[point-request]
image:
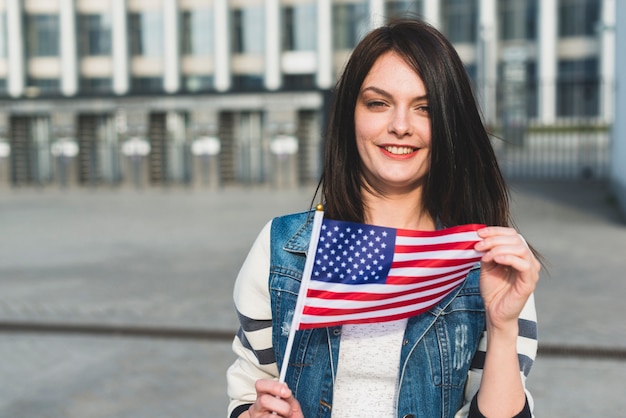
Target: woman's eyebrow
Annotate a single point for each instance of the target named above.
(388, 95)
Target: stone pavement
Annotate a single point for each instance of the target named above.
(167, 258)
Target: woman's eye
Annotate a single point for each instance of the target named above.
(423, 108)
(375, 104)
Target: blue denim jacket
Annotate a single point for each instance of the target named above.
(437, 349)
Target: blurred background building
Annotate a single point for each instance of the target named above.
(212, 92)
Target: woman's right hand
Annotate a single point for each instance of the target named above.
(274, 399)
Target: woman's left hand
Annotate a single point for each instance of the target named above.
(509, 274)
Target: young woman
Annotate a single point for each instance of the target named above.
(406, 148)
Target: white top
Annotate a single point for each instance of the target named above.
(367, 371)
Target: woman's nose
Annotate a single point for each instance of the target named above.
(400, 124)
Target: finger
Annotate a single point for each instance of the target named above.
(525, 268)
(514, 242)
(271, 398)
(518, 264)
(272, 405)
(272, 387)
(491, 231)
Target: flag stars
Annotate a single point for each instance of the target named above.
(352, 253)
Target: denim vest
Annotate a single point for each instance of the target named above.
(437, 349)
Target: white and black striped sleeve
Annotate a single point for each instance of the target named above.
(526, 353)
(253, 343)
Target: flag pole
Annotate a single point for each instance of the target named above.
(304, 284)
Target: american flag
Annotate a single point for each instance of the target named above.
(364, 273)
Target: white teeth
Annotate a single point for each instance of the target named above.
(399, 150)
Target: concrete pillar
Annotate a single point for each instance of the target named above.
(64, 148)
(273, 79)
(431, 9)
(282, 123)
(5, 151)
(69, 54)
(324, 76)
(222, 45)
(132, 130)
(15, 48)
(607, 60)
(121, 59)
(377, 13)
(171, 46)
(205, 148)
(547, 46)
(618, 154)
(487, 64)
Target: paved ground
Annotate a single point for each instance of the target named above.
(167, 258)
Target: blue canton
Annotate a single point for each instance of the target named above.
(353, 253)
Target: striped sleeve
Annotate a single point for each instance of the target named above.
(526, 353)
(253, 343)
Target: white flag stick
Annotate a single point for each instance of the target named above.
(304, 285)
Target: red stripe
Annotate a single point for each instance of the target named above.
(461, 245)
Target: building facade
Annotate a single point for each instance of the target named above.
(236, 91)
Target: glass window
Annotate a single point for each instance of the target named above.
(578, 17)
(578, 88)
(300, 27)
(42, 35)
(96, 85)
(532, 95)
(44, 86)
(403, 8)
(197, 32)
(146, 34)
(299, 82)
(248, 31)
(350, 23)
(193, 83)
(95, 34)
(248, 82)
(460, 17)
(517, 19)
(147, 84)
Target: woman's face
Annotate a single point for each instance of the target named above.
(392, 126)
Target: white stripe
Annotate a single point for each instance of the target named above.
(314, 302)
(380, 288)
(437, 255)
(259, 339)
(528, 312)
(426, 271)
(527, 346)
(450, 238)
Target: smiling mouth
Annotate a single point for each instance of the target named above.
(395, 150)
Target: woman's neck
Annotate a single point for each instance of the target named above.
(404, 211)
